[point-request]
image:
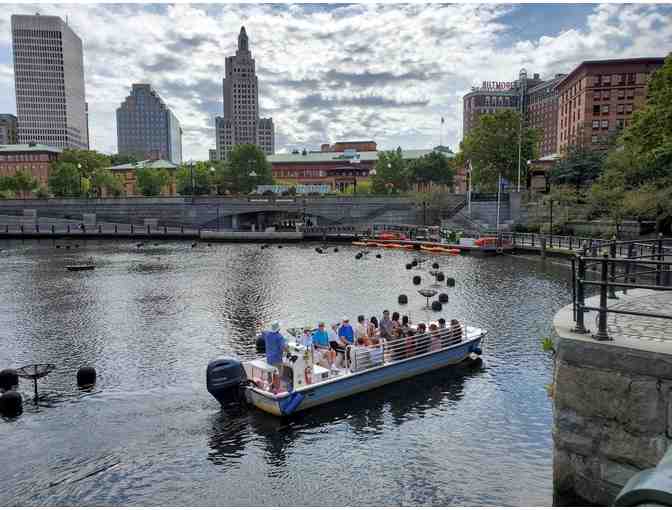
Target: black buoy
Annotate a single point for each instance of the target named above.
(435, 265)
(279, 246)
(139, 245)
(86, 376)
(409, 266)
(318, 250)
(358, 256)
(67, 247)
(414, 263)
(58, 246)
(436, 306)
(193, 245)
(443, 297)
(379, 256)
(76, 246)
(335, 250)
(416, 280)
(440, 276)
(209, 244)
(11, 403)
(450, 282)
(261, 344)
(8, 379)
(403, 299)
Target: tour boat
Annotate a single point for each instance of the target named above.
(309, 380)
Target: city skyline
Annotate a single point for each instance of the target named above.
(333, 72)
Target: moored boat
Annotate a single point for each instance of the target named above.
(310, 382)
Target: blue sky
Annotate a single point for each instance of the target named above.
(331, 72)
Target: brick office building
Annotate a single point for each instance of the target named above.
(596, 100)
(542, 114)
(33, 158)
(360, 146)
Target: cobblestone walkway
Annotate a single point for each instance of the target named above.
(644, 328)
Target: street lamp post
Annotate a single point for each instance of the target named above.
(79, 174)
(191, 169)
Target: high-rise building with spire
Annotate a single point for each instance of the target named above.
(241, 123)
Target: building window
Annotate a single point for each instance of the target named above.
(621, 93)
(605, 124)
(596, 109)
(628, 108)
(620, 123)
(605, 108)
(606, 79)
(620, 108)
(605, 94)
(596, 124)
(593, 139)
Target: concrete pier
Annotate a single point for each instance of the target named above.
(613, 399)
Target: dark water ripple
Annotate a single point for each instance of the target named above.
(150, 318)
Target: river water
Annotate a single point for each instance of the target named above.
(150, 318)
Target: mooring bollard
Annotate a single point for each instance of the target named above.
(181, 229)
(68, 228)
(37, 228)
(165, 230)
(149, 228)
(100, 229)
(8, 379)
(22, 229)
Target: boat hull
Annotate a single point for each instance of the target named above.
(359, 382)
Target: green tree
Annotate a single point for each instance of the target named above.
(637, 181)
(578, 167)
(245, 160)
(65, 179)
(103, 180)
(492, 148)
(202, 178)
(90, 161)
(151, 180)
(122, 159)
(7, 183)
(24, 182)
(391, 173)
(434, 167)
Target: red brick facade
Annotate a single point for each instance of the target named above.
(597, 99)
(35, 162)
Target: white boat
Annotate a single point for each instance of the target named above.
(309, 382)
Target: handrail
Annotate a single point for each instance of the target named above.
(607, 282)
(403, 348)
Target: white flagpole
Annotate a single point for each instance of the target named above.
(469, 177)
(499, 190)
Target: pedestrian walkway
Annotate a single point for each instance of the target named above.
(642, 328)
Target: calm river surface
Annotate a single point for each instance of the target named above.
(149, 319)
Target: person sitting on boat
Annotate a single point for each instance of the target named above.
(422, 343)
(307, 338)
(435, 343)
(386, 325)
(360, 331)
(442, 323)
(396, 324)
(372, 328)
(336, 344)
(321, 343)
(275, 346)
(345, 332)
(456, 331)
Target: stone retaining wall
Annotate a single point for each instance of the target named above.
(612, 408)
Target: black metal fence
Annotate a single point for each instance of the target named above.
(643, 266)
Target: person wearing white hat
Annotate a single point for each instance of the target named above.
(275, 346)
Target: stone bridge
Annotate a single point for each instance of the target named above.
(223, 212)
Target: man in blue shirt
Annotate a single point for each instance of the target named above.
(321, 342)
(345, 332)
(275, 346)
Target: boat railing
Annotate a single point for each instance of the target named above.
(399, 349)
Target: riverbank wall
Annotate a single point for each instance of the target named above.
(612, 400)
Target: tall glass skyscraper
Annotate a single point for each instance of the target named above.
(241, 123)
(49, 79)
(147, 127)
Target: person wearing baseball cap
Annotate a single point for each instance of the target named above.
(345, 332)
(275, 346)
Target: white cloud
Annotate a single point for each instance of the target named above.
(386, 72)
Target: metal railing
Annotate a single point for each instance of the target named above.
(644, 260)
(81, 229)
(399, 349)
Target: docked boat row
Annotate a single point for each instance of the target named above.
(309, 380)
